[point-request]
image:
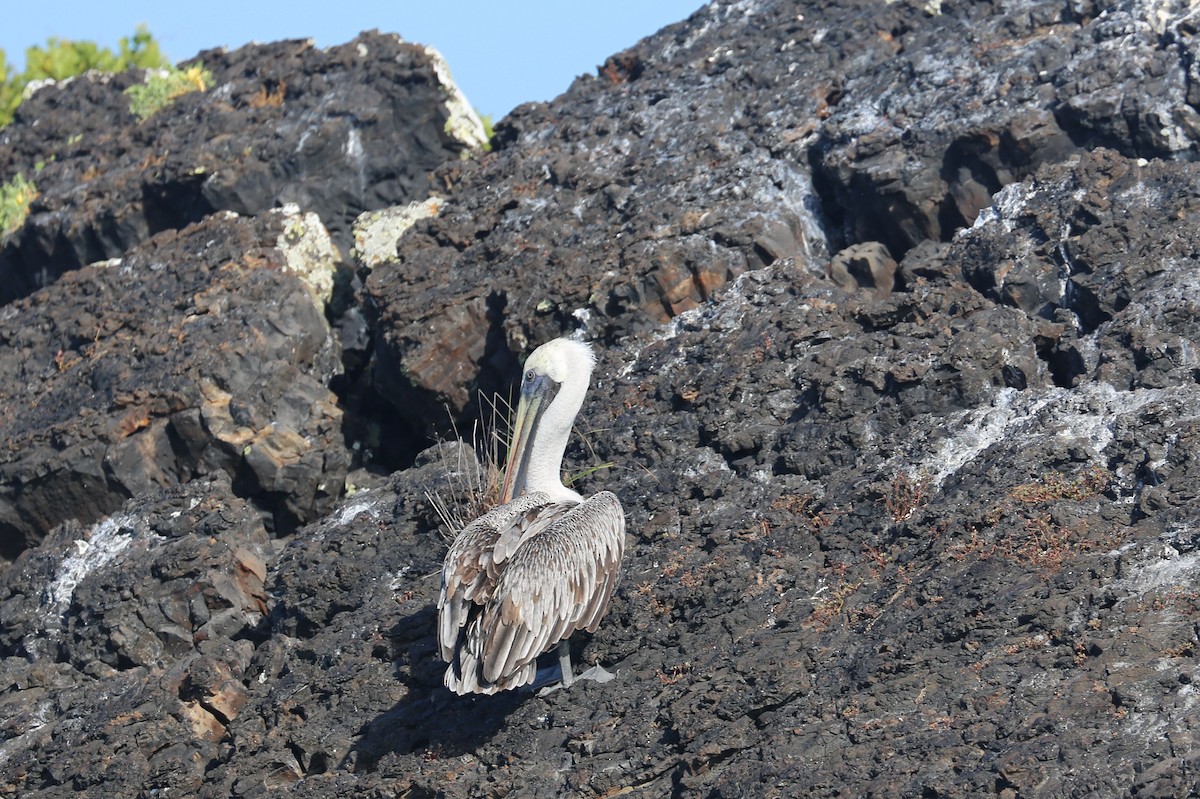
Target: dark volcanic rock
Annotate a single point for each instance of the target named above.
(338, 131)
(898, 386)
(656, 184)
(126, 646)
(739, 139)
(867, 266)
(200, 352)
(1085, 242)
(951, 108)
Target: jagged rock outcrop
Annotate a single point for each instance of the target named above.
(126, 645)
(338, 131)
(201, 351)
(897, 132)
(898, 385)
(1092, 253)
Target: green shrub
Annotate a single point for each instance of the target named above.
(15, 197)
(165, 85)
(63, 58)
(11, 87)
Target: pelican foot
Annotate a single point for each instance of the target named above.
(547, 684)
(597, 673)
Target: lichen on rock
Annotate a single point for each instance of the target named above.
(308, 251)
(376, 233)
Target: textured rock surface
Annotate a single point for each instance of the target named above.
(1119, 269)
(338, 131)
(786, 132)
(200, 351)
(126, 645)
(910, 468)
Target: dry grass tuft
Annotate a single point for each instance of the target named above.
(474, 471)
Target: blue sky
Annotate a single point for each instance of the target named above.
(501, 54)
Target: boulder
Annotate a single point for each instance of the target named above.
(338, 131)
(128, 643)
(201, 351)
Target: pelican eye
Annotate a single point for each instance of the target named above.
(529, 375)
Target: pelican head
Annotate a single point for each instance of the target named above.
(552, 389)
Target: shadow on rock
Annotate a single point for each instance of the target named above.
(430, 718)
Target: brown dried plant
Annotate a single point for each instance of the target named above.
(473, 484)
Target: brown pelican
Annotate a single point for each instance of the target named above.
(527, 574)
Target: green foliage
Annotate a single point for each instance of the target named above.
(63, 58)
(164, 86)
(11, 87)
(488, 131)
(15, 197)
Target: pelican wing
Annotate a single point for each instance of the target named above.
(475, 560)
(467, 580)
(559, 581)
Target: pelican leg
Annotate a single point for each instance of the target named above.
(564, 663)
(545, 685)
(549, 679)
(567, 674)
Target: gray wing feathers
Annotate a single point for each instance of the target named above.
(524, 525)
(521, 578)
(559, 582)
(464, 582)
(469, 571)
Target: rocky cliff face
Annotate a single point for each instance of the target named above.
(898, 324)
